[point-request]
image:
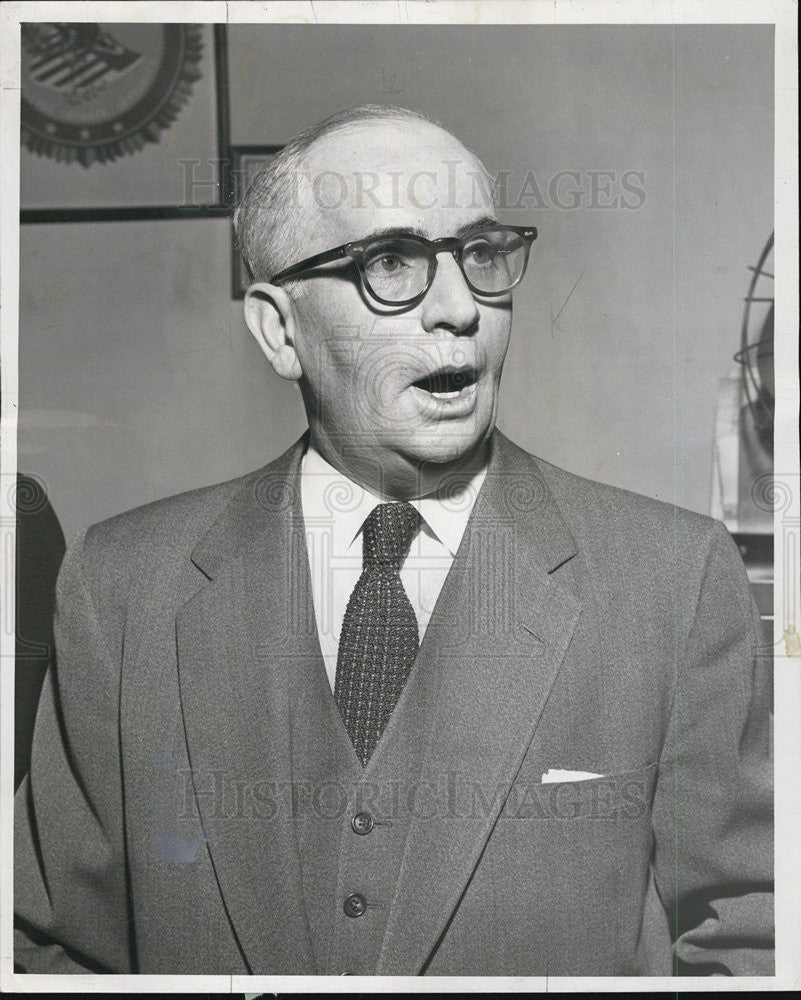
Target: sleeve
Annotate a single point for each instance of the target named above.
(69, 860)
(713, 807)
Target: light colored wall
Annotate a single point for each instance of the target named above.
(139, 379)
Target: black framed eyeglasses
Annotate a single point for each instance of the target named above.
(399, 270)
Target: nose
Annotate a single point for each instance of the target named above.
(449, 303)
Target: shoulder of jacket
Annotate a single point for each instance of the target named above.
(597, 506)
(165, 520)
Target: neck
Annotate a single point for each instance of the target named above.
(403, 478)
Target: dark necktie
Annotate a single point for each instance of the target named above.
(378, 642)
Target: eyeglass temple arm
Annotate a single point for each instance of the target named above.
(306, 265)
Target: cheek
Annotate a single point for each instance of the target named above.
(376, 384)
(325, 342)
(497, 326)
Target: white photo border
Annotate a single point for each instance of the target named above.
(782, 14)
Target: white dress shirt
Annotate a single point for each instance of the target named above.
(334, 510)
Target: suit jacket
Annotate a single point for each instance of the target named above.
(581, 628)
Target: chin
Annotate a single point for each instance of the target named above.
(443, 447)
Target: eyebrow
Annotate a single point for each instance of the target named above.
(466, 230)
(474, 227)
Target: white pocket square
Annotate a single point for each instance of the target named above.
(554, 774)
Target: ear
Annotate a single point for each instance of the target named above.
(271, 318)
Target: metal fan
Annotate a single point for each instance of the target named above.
(743, 454)
(756, 349)
(749, 506)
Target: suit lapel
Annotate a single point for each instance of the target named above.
(490, 655)
(239, 639)
(498, 635)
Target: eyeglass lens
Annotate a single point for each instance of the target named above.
(398, 269)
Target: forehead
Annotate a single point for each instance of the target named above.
(385, 174)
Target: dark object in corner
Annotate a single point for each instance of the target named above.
(40, 549)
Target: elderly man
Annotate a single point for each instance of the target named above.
(407, 700)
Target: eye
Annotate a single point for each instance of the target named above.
(387, 263)
(481, 254)
(386, 259)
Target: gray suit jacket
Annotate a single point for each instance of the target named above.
(581, 628)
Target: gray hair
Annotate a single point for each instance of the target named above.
(266, 221)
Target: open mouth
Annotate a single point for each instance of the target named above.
(447, 383)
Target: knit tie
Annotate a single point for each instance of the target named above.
(378, 642)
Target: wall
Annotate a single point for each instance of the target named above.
(139, 379)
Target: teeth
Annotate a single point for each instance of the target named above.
(446, 395)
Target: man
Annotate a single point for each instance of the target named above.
(407, 700)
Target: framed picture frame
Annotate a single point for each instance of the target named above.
(119, 121)
(245, 163)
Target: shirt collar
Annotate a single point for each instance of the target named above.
(325, 492)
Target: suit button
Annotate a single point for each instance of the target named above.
(362, 823)
(355, 905)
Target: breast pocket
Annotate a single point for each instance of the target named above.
(622, 797)
(575, 857)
